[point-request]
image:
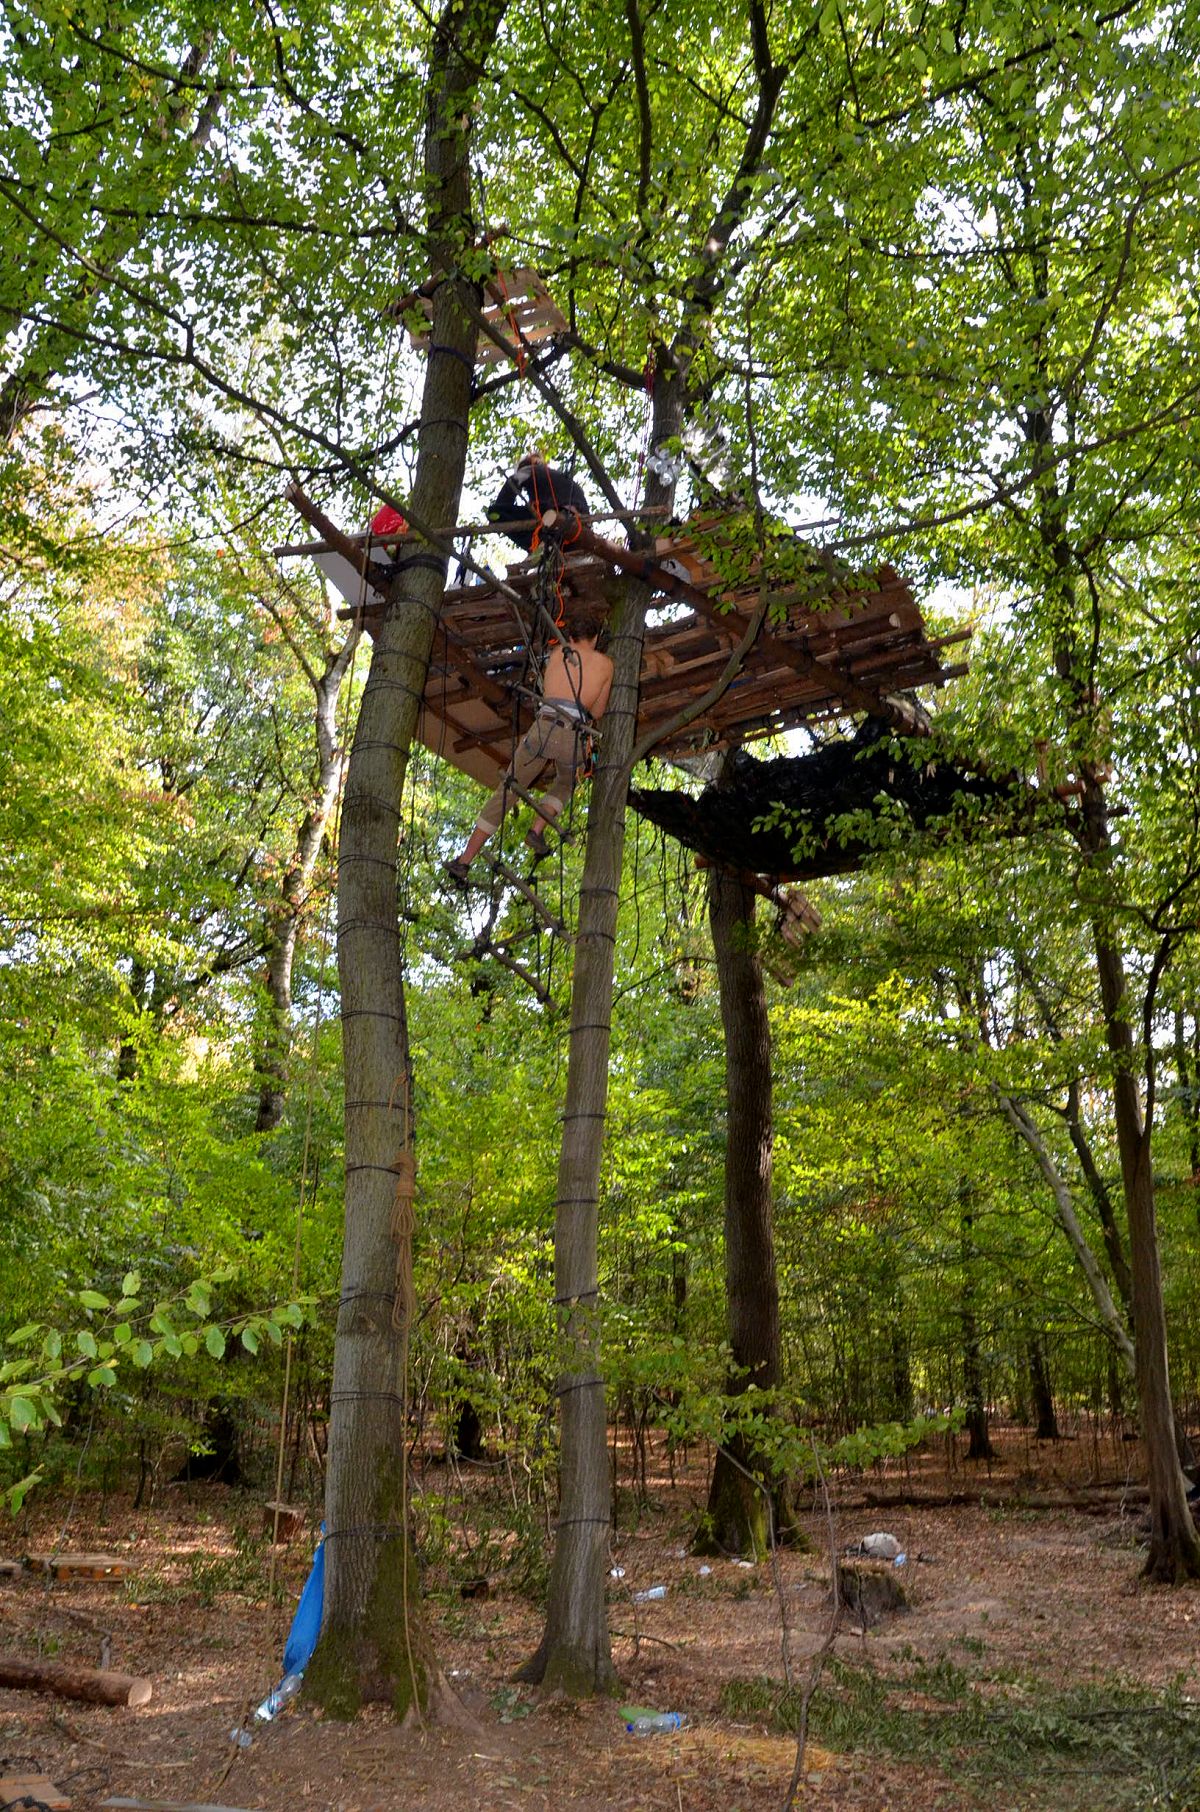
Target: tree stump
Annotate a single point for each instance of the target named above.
(871, 1590)
(282, 1522)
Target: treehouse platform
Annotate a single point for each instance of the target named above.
(826, 648)
(830, 644)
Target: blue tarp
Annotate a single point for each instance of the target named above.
(306, 1624)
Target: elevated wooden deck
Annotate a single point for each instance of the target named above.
(831, 645)
(851, 649)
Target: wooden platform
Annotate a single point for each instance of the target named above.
(851, 650)
(832, 645)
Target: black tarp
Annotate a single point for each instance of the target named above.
(899, 783)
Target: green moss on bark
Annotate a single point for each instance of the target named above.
(386, 1654)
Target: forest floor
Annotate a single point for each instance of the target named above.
(1031, 1670)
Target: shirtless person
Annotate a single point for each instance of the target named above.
(575, 688)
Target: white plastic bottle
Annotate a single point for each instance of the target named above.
(278, 1697)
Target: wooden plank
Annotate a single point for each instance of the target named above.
(79, 1566)
(33, 1786)
(120, 1803)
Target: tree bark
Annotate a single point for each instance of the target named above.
(373, 1642)
(979, 1445)
(1174, 1546)
(747, 1504)
(95, 1686)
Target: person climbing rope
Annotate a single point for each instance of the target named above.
(575, 688)
(532, 488)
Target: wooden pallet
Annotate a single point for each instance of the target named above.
(79, 1566)
(518, 307)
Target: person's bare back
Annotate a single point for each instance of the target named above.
(577, 673)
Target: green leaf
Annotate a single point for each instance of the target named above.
(214, 1340)
(141, 1353)
(92, 1299)
(123, 1333)
(102, 1376)
(24, 1335)
(19, 1492)
(131, 1283)
(250, 1340)
(86, 1343)
(22, 1414)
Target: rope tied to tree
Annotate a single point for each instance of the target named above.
(404, 1224)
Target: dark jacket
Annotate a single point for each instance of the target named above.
(522, 501)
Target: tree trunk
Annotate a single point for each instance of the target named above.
(979, 1444)
(1040, 1389)
(747, 1504)
(287, 915)
(1023, 1123)
(574, 1654)
(373, 1642)
(1174, 1547)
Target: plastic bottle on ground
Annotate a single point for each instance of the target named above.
(651, 1723)
(650, 1594)
(278, 1697)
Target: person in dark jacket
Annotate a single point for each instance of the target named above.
(528, 492)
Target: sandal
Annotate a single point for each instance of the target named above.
(458, 870)
(537, 843)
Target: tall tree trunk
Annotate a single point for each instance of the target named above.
(373, 1642)
(1041, 1391)
(1174, 1546)
(747, 1504)
(1023, 1123)
(574, 1654)
(979, 1446)
(287, 915)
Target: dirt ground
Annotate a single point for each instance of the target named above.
(1031, 1669)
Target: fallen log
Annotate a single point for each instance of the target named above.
(96, 1686)
(1093, 1501)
